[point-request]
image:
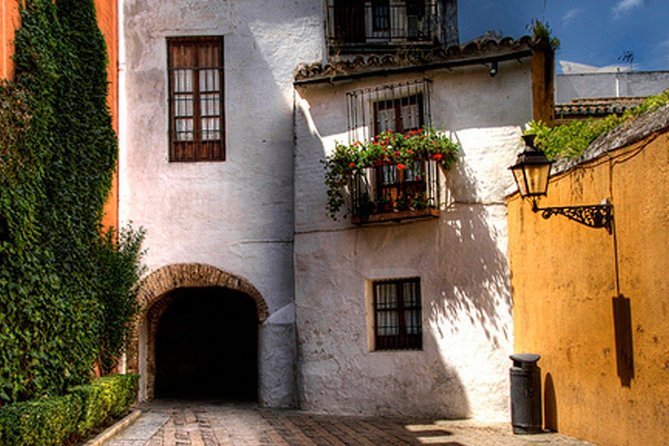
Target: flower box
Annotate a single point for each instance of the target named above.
(392, 177)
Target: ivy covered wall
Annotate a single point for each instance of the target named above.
(65, 286)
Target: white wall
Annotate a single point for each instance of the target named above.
(461, 259)
(261, 213)
(236, 215)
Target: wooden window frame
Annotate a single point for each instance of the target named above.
(397, 104)
(198, 148)
(403, 340)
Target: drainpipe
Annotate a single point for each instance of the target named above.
(122, 132)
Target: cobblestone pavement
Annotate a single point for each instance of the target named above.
(207, 424)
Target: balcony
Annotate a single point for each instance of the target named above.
(390, 170)
(395, 192)
(379, 25)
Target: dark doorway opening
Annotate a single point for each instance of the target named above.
(207, 346)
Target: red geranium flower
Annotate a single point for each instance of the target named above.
(351, 164)
(401, 166)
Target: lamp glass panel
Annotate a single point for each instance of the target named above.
(537, 178)
(519, 176)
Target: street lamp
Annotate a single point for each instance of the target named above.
(532, 171)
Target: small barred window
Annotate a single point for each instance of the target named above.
(397, 315)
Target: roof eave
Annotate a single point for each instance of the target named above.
(416, 68)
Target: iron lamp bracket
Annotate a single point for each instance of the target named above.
(594, 216)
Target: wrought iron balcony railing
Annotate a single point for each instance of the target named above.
(377, 24)
(395, 192)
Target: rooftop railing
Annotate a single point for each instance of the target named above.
(375, 23)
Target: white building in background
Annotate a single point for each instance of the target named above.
(579, 81)
(584, 91)
(253, 292)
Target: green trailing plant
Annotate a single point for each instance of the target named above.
(386, 148)
(570, 140)
(62, 281)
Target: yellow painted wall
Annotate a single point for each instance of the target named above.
(564, 279)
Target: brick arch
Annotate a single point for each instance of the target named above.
(153, 298)
(193, 275)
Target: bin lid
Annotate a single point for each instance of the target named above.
(525, 358)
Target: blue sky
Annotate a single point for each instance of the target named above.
(593, 32)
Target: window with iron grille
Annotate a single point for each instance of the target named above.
(196, 101)
(397, 315)
(387, 189)
(399, 115)
(399, 107)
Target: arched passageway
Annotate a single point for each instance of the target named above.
(206, 345)
(155, 296)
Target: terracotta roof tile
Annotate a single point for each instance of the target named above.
(596, 107)
(471, 53)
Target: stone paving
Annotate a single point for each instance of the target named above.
(167, 423)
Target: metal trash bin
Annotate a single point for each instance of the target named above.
(526, 416)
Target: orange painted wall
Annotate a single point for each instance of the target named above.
(108, 22)
(107, 13)
(8, 23)
(565, 277)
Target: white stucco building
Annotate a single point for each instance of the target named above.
(253, 292)
(579, 81)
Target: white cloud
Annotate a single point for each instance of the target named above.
(571, 14)
(625, 5)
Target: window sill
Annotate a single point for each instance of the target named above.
(389, 217)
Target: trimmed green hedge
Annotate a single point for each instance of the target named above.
(58, 420)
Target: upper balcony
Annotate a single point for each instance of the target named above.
(384, 25)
